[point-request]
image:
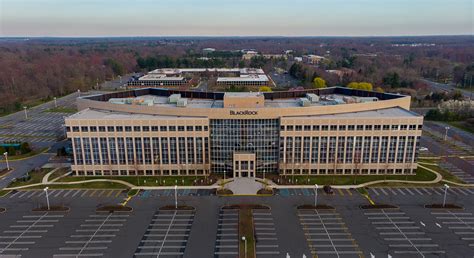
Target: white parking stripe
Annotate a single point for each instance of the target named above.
(77, 191)
(400, 190)
(408, 190)
(375, 191)
(58, 193)
(418, 191)
(23, 193)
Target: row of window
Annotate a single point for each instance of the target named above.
(173, 172)
(138, 150)
(352, 149)
(349, 171)
(162, 128)
(348, 127)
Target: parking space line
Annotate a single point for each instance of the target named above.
(349, 192)
(93, 193)
(77, 191)
(23, 194)
(418, 191)
(383, 191)
(84, 193)
(408, 190)
(21, 235)
(58, 193)
(340, 192)
(375, 191)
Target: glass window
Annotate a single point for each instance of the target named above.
(110, 128)
(136, 129)
(84, 129)
(119, 128)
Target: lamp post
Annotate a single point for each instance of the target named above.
(47, 197)
(26, 114)
(224, 176)
(55, 103)
(245, 245)
(446, 132)
(315, 195)
(446, 187)
(264, 175)
(6, 160)
(176, 196)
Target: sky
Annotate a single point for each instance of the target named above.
(98, 18)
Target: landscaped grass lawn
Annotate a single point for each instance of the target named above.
(26, 155)
(246, 229)
(421, 175)
(141, 180)
(68, 110)
(91, 185)
(36, 177)
(461, 125)
(446, 175)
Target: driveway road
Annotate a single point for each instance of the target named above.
(448, 88)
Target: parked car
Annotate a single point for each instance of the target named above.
(328, 189)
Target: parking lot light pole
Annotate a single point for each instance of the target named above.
(26, 113)
(446, 133)
(245, 245)
(176, 196)
(315, 195)
(264, 175)
(224, 176)
(55, 103)
(6, 160)
(446, 187)
(47, 197)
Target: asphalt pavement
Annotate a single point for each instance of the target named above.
(348, 231)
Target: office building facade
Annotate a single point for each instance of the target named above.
(313, 132)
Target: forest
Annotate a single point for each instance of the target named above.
(37, 69)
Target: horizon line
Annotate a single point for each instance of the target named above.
(245, 36)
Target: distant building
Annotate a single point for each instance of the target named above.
(298, 59)
(208, 50)
(274, 56)
(342, 72)
(179, 77)
(249, 54)
(312, 59)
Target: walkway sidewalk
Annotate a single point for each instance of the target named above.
(240, 185)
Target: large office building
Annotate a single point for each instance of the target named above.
(224, 76)
(311, 132)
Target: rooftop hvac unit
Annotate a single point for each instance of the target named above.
(182, 102)
(173, 98)
(312, 97)
(304, 102)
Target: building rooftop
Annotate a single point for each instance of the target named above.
(277, 99)
(115, 115)
(376, 113)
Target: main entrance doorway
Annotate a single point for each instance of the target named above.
(244, 164)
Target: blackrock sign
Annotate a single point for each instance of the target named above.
(244, 113)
